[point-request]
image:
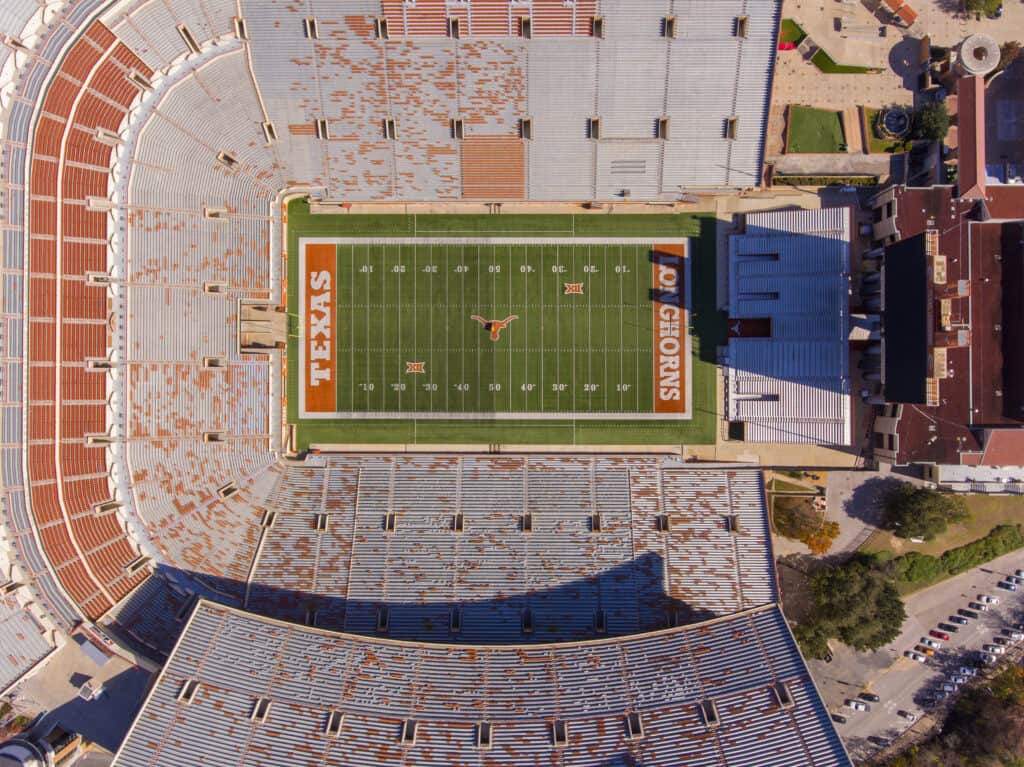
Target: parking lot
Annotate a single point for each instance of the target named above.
(902, 684)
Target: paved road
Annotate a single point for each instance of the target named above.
(902, 683)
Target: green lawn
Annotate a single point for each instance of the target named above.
(707, 330)
(828, 65)
(876, 143)
(791, 32)
(987, 511)
(813, 130)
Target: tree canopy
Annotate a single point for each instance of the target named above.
(854, 603)
(931, 121)
(984, 729)
(917, 512)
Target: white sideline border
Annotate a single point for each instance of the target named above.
(624, 417)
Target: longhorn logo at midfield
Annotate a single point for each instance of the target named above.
(494, 326)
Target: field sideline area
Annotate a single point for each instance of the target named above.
(501, 329)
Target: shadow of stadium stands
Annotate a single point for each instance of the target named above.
(104, 720)
(623, 600)
(789, 375)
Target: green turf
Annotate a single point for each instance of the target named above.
(813, 130)
(828, 65)
(589, 353)
(791, 32)
(708, 330)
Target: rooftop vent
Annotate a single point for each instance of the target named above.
(98, 440)
(526, 128)
(664, 523)
(383, 620)
(210, 363)
(190, 41)
(99, 364)
(186, 607)
(782, 696)
(260, 710)
(227, 490)
(527, 621)
(227, 159)
(458, 522)
(669, 27)
(559, 733)
(136, 564)
(268, 519)
(15, 43)
(458, 127)
(601, 621)
(594, 128)
(484, 736)
(526, 522)
(108, 137)
(710, 713)
(188, 691)
(731, 126)
(634, 726)
(215, 286)
(241, 32)
(390, 522)
(312, 614)
(310, 29)
(663, 123)
(390, 129)
(140, 80)
(214, 436)
(323, 130)
(215, 214)
(595, 522)
(732, 523)
(409, 732)
(526, 27)
(320, 522)
(741, 26)
(269, 132)
(98, 278)
(106, 507)
(597, 26)
(98, 204)
(455, 620)
(380, 28)
(332, 727)
(454, 28)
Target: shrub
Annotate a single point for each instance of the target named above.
(915, 567)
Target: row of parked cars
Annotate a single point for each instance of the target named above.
(927, 647)
(990, 651)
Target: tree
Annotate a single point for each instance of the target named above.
(1009, 52)
(989, 7)
(853, 602)
(931, 122)
(917, 512)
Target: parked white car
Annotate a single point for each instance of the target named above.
(931, 643)
(958, 680)
(856, 705)
(909, 716)
(988, 658)
(1015, 635)
(995, 649)
(968, 671)
(914, 656)
(988, 599)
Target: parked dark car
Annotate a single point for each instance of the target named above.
(869, 696)
(958, 620)
(950, 627)
(839, 718)
(968, 613)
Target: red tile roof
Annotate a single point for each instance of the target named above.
(971, 122)
(1003, 447)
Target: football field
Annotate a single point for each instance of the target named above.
(494, 328)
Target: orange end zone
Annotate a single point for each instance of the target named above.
(669, 328)
(319, 275)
